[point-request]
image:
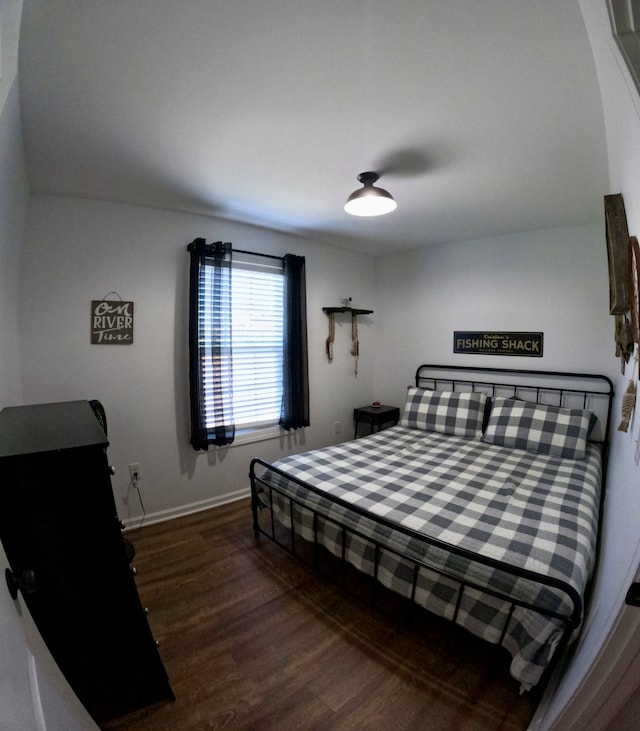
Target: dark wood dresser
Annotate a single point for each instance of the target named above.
(62, 536)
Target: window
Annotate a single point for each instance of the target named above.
(247, 344)
(256, 342)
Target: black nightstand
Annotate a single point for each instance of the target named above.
(376, 416)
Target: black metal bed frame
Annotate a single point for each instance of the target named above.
(454, 378)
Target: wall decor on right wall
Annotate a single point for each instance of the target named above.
(628, 405)
(617, 234)
(624, 340)
(634, 287)
(619, 248)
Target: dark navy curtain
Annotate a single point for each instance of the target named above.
(210, 364)
(295, 371)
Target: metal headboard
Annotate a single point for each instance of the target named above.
(570, 390)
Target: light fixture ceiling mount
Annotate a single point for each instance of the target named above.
(369, 200)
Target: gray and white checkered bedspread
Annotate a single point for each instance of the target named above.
(532, 511)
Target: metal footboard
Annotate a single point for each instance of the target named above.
(262, 500)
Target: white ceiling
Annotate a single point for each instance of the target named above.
(483, 117)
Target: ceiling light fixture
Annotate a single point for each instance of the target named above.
(369, 200)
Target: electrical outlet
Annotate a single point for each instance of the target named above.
(337, 427)
(134, 472)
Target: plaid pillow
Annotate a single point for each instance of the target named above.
(539, 428)
(447, 412)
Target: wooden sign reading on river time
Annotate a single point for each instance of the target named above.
(111, 322)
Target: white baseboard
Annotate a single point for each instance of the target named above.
(160, 516)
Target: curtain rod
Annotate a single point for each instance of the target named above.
(243, 251)
(256, 253)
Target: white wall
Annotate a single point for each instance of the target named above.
(554, 281)
(76, 251)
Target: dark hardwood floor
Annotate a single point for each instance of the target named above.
(253, 639)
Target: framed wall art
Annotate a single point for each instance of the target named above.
(634, 286)
(111, 322)
(617, 234)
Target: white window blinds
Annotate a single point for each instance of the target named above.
(257, 341)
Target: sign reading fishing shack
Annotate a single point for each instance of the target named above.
(111, 322)
(498, 343)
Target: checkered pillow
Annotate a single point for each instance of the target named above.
(539, 428)
(447, 412)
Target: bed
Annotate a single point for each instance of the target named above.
(482, 505)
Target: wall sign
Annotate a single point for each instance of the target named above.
(617, 235)
(491, 342)
(111, 322)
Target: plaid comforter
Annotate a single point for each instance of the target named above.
(527, 510)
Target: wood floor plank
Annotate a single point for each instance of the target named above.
(251, 638)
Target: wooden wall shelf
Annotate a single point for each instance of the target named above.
(355, 346)
(352, 310)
